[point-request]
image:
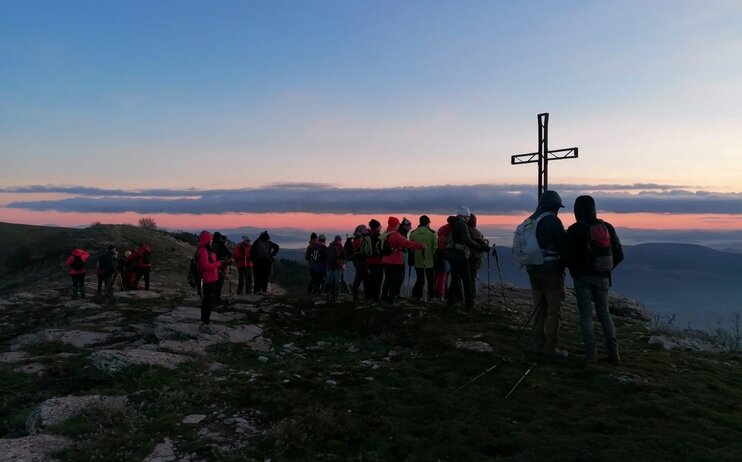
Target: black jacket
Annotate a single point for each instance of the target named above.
(578, 236)
(550, 232)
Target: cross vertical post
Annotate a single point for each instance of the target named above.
(543, 156)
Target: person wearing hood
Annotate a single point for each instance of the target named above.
(143, 258)
(263, 251)
(107, 270)
(475, 259)
(458, 255)
(208, 266)
(592, 251)
(360, 263)
(241, 254)
(547, 279)
(76, 262)
(319, 265)
(423, 259)
(372, 286)
(219, 246)
(394, 262)
(310, 263)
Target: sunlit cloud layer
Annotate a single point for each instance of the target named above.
(320, 198)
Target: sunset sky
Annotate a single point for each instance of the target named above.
(312, 113)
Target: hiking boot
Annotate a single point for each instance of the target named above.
(614, 358)
(205, 329)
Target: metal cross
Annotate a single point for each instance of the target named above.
(543, 156)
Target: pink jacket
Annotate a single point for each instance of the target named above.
(397, 242)
(207, 263)
(83, 254)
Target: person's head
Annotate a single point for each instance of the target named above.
(550, 201)
(246, 239)
(585, 209)
(322, 238)
(264, 236)
(338, 239)
(424, 220)
(111, 249)
(393, 223)
(313, 237)
(463, 212)
(374, 224)
(360, 231)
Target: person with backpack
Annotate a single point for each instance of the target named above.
(310, 263)
(219, 247)
(442, 265)
(475, 259)
(130, 270)
(372, 287)
(263, 251)
(392, 245)
(423, 260)
(107, 270)
(318, 258)
(241, 254)
(335, 259)
(208, 267)
(592, 251)
(76, 262)
(547, 276)
(359, 254)
(143, 258)
(459, 247)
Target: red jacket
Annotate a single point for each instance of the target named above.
(208, 265)
(138, 255)
(397, 243)
(241, 255)
(82, 254)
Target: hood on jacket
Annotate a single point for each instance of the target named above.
(374, 224)
(393, 223)
(585, 209)
(550, 201)
(472, 221)
(203, 239)
(80, 253)
(264, 236)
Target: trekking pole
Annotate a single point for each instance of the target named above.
(522, 378)
(488, 370)
(499, 272)
(489, 304)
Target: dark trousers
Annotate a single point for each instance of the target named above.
(460, 280)
(373, 283)
(421, 276)
(393, 277)
(208, 301)
(219, 287)
(78, 284)
(142, 272)
(310, 287)
(262, 271)
(244, 280)
(318, 282)
(361, 276)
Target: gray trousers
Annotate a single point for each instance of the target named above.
(591, 290)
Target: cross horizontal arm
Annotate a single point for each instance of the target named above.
(532, 157)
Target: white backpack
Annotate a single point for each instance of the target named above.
(525, 244)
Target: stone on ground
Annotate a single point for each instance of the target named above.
(36, 448)
(113, 361)
(56, 410)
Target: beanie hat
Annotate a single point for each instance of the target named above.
(246, 238)
(393, 222)
(217, 236)
(322, 238)
(360, 230)
(338, 238)
(463, 211)
(313, 236)
(405, 222)
(373, 224)
(424, 220)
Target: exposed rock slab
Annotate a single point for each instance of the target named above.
(36, 448)
(56, 410)
(13, 357)
(113, 361)
(78, 338)
(621, 305)
(163, 452)
(482, 347)
(681, 343)
(137, 295)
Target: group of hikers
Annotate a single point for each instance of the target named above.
(127, 269)
(446, 264)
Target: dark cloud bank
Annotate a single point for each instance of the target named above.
(316, 198)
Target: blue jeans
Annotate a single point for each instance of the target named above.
(589, 290)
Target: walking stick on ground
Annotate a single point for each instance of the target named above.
(499, 272)
(522, 378)
(489, 304)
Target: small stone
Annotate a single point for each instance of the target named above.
(263, 359)
(332, 383)
(193, 419)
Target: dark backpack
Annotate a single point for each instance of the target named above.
(382, 245)
(372, 246)
(350, 253)
(146, 257)
(599, 248)
(331, 254)
(77, 263)
(194, 275)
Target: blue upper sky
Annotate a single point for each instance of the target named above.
(148, 94)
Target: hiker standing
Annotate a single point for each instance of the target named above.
(475, 259)
(547, 279)
(359, 259)
(241, 254)
(441, 263)
(143, 258)
(335, 259)
(459, 247)
(310, 264)
(208, 266)
(593, 250)
(107, 269)
(76, 262)
(130, 270)
(318, 258)
(423, 259)
(394, 261)
(404, 230)
(372, 287)
(263, 250)
(219, 246)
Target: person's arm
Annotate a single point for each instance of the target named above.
(616, 246)
(274, 249)
(462, 232)
(203, 260)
